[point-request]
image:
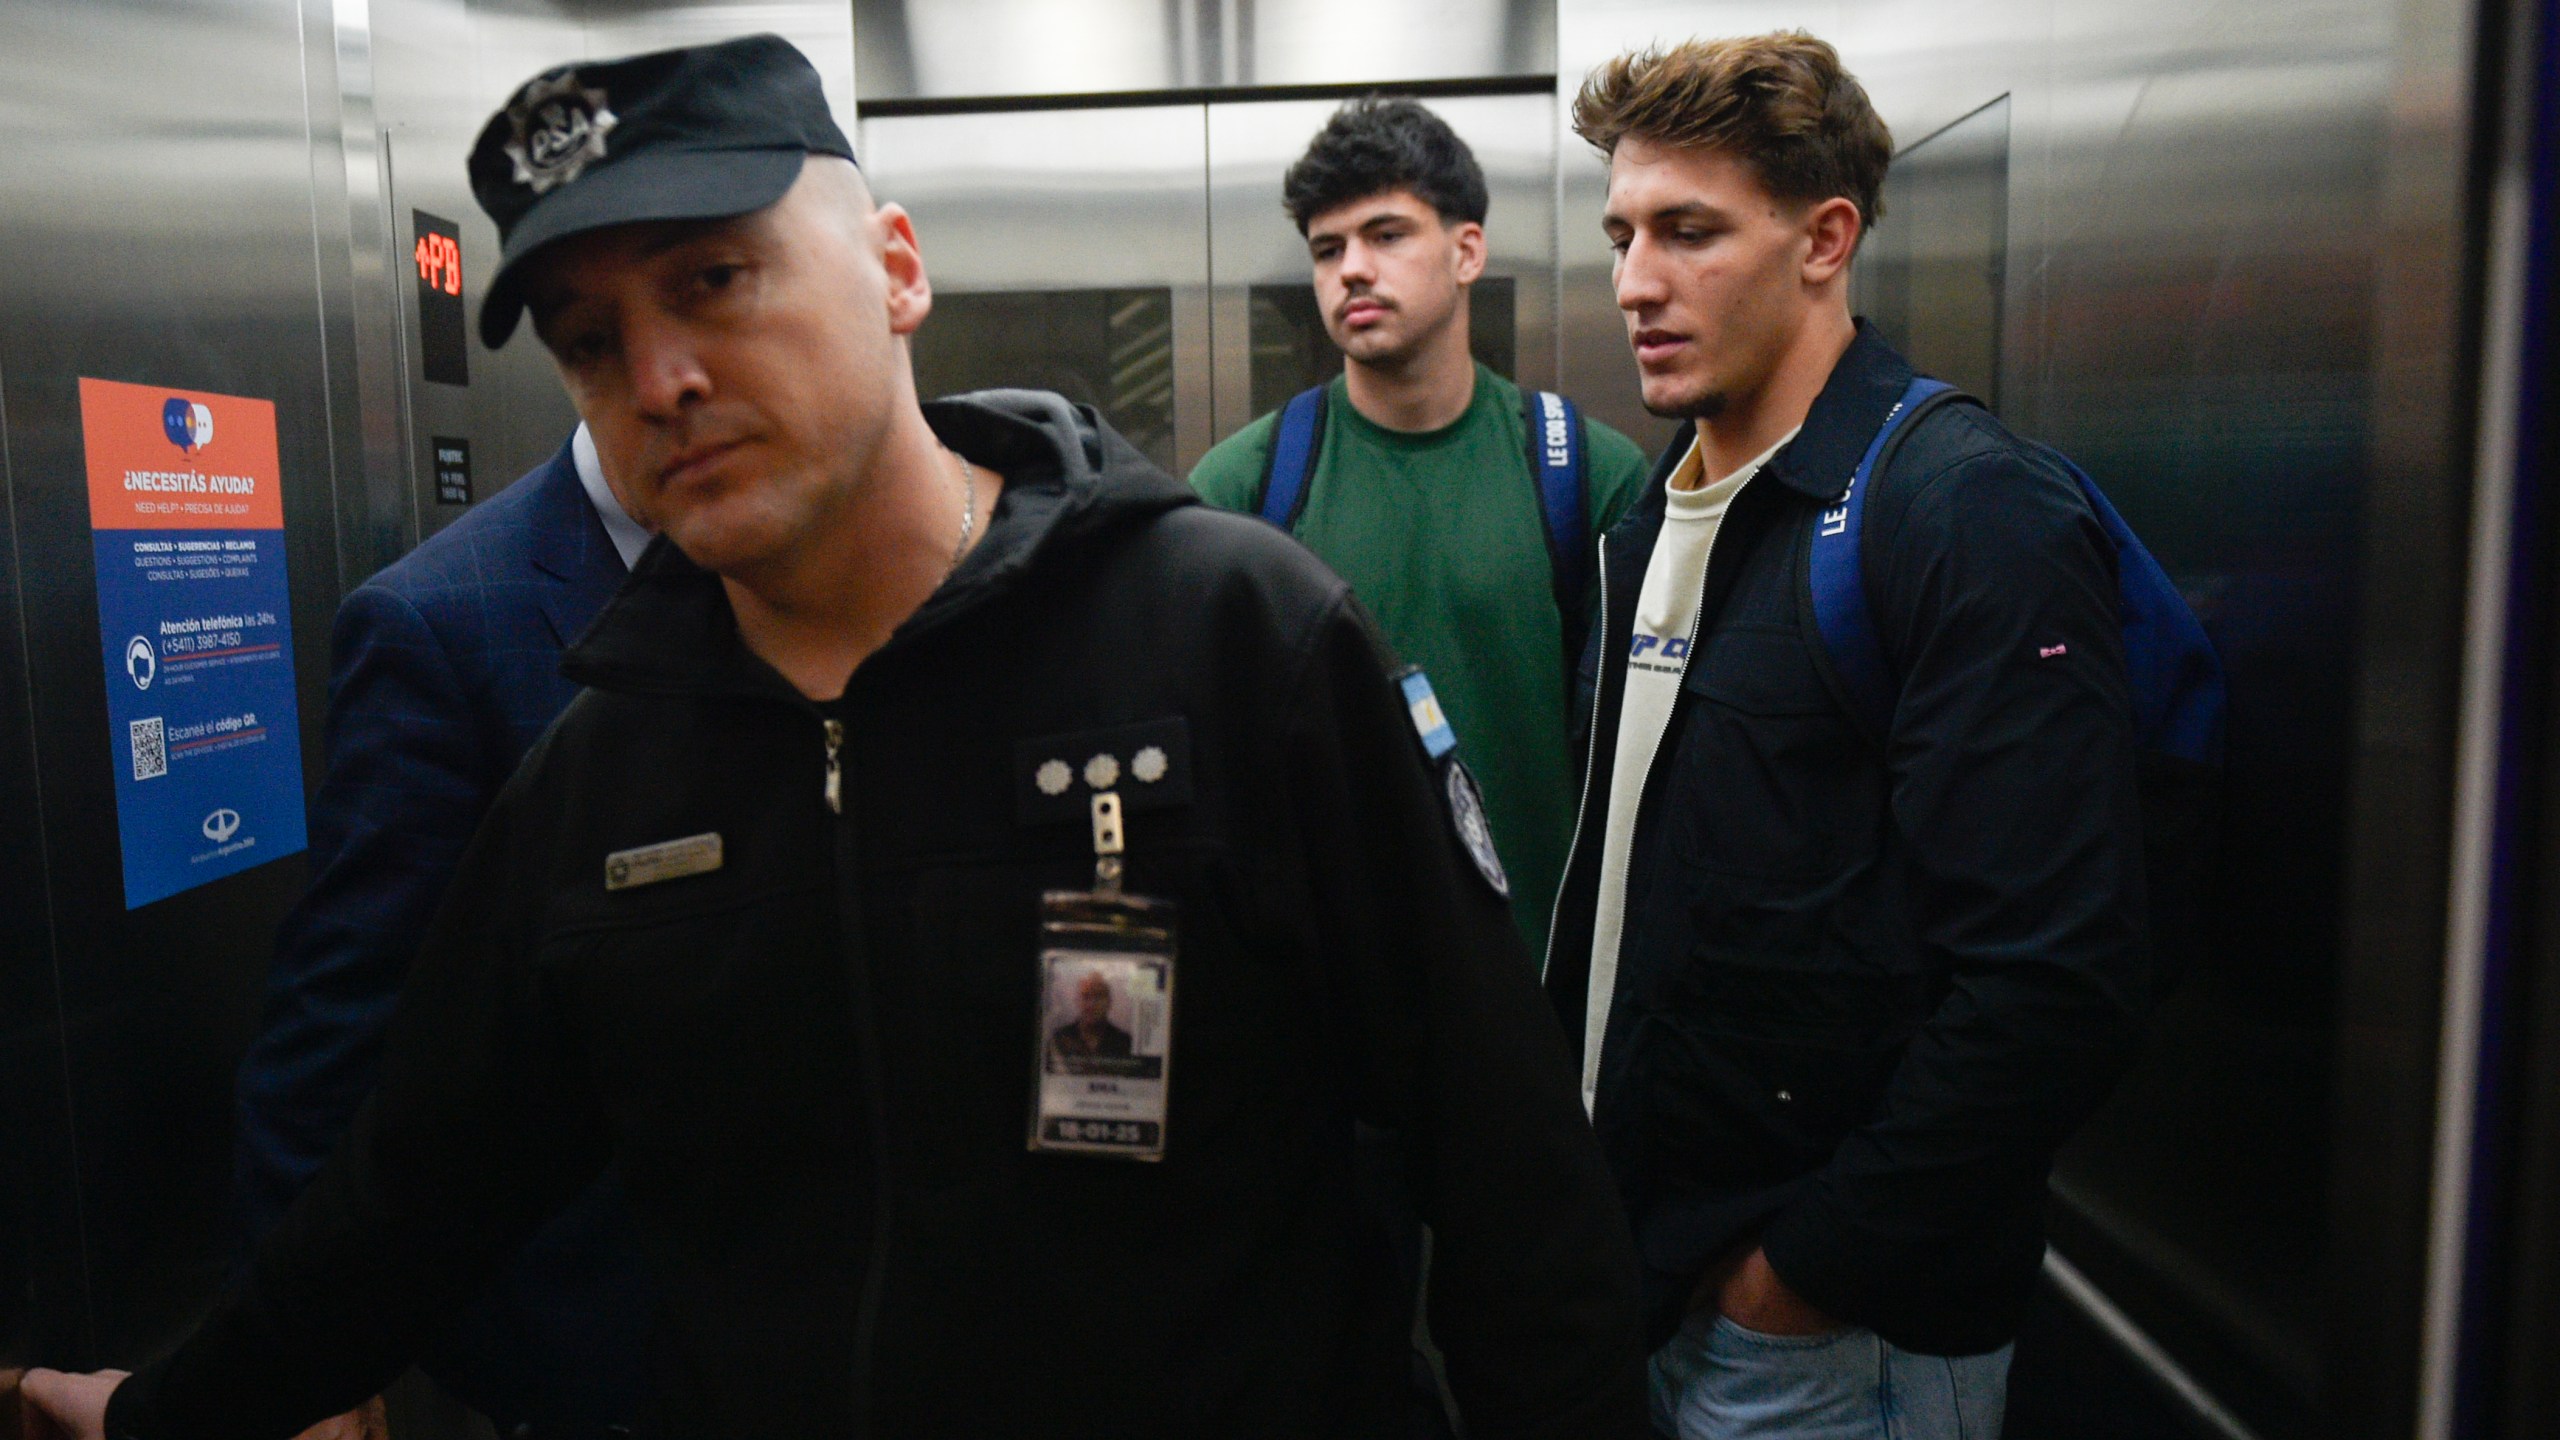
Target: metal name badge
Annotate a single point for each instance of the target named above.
(667, 860)
(1102, 1052)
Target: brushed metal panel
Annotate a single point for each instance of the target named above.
(377, 519)
(1934, 280)
(2425, 389)
(1030, 47)
(1295, 42)
(911, 50)
(44, 1307)
(822, 29)
(1029, 199)
(157, 206)
(441, 67)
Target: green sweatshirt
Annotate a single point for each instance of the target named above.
(1440, 537)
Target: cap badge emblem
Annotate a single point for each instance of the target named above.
(559, 127)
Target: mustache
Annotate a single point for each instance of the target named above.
(1362, 297)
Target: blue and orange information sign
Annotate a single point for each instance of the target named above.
(186, 508)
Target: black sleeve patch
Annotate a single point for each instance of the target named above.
(1475, 832)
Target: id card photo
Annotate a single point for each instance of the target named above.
(1105, 1038)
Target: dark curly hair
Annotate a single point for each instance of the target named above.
(1375, 144)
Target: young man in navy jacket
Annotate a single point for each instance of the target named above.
(1838, 995)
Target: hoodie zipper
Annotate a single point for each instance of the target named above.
(874, 1076)
(835, 769)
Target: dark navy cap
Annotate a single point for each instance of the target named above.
(694, 134)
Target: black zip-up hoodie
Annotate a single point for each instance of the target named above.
(813, 1064)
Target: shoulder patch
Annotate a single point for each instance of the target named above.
(1475, 832)
(1055, 777)
(1430, 722)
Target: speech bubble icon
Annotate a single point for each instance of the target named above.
(188, 425)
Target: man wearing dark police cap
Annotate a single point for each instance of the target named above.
(914, 716)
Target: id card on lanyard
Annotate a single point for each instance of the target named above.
(1103, 1050)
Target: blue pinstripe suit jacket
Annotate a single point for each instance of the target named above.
(445, 669)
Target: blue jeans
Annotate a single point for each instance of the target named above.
(1717, 1381)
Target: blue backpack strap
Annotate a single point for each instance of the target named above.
(1557, 462)
(1837, 576)
(1295, 442)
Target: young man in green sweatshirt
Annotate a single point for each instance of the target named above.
(1417, 481)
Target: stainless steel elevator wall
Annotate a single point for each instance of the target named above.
(156, 209)
(930, 49)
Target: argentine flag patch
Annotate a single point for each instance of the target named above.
(1429, 721)
(1457, 787)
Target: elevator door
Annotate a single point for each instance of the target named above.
(1137, 259)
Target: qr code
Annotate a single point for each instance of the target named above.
(150, 749)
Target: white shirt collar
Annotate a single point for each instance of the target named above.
(629, 536)
(1684, 483)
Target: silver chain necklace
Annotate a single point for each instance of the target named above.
(968, 510)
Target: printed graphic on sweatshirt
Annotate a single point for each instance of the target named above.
(1661, 654)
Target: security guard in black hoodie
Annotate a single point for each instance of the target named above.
(916, 716)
